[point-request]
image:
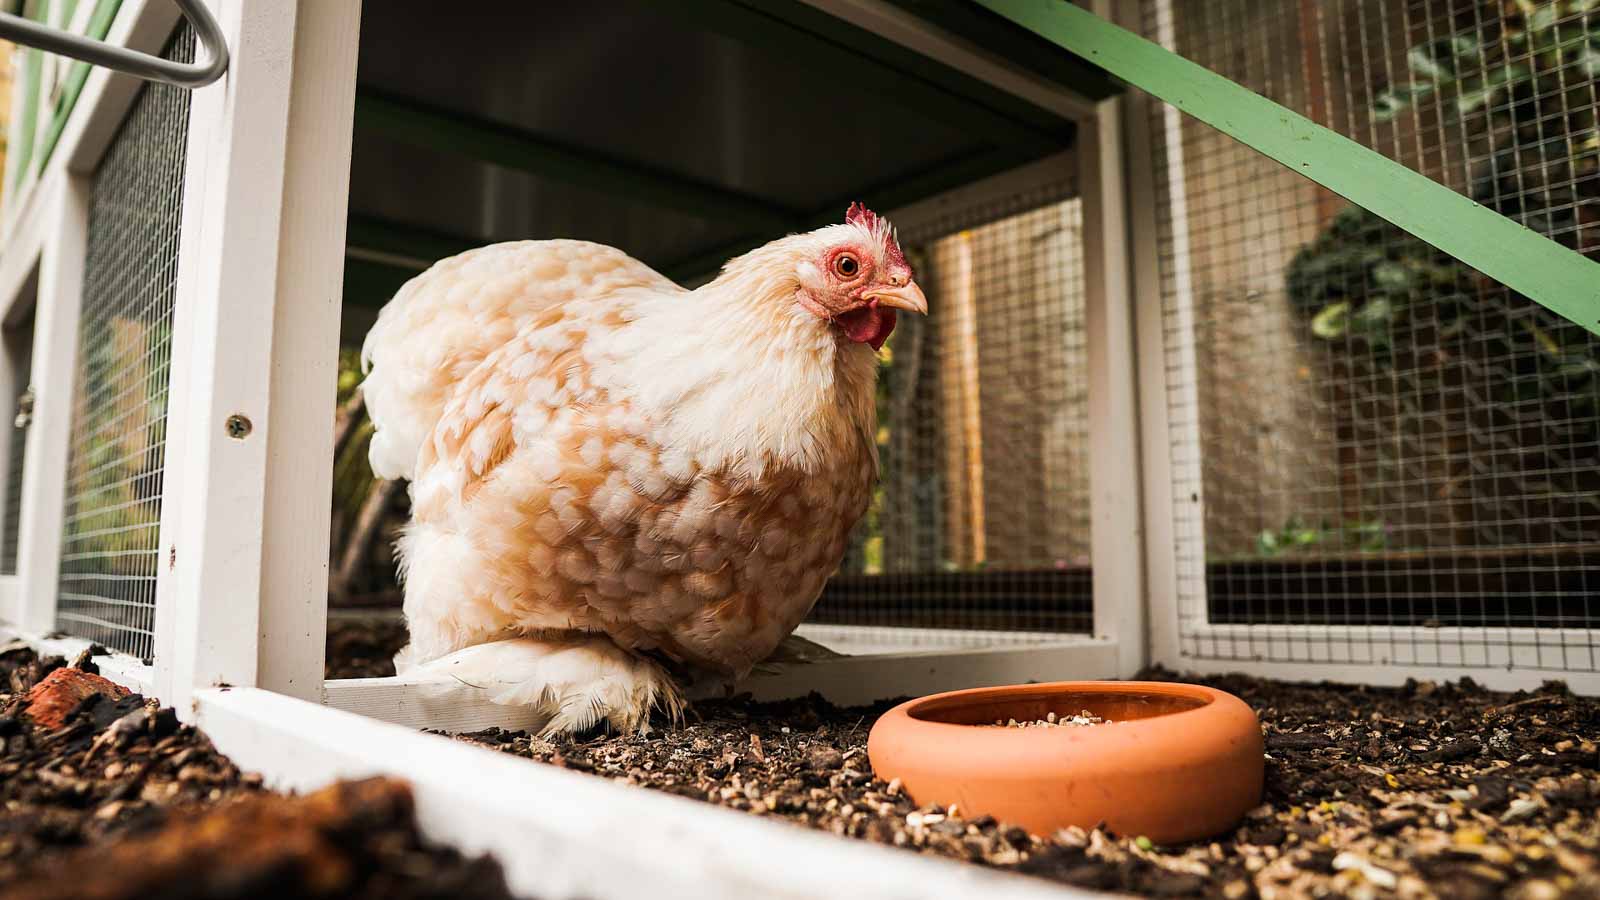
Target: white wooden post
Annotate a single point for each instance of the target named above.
(55, 353)
(208, 608)
(1174, 526)
(1116, 538)
(305, 348)
(242, 599)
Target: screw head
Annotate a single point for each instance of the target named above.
(238, 427)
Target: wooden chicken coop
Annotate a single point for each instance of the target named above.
(1263, 339)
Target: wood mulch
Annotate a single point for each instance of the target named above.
(104, 794)
(1431, 790)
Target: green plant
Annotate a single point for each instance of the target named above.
(1520, 89)
(1298, 537)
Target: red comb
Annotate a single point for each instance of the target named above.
(859, 215)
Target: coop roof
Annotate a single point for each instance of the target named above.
(681, 132)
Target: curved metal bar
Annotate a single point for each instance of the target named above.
(141, 65)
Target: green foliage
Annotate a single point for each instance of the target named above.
(1298, 537)
(115, 468)
(352, 476)
(1522, 92)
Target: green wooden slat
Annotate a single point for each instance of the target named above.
(32, 85)
(72, 85)
(1560, 279)
(453, 132)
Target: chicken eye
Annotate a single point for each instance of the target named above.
(846, 265)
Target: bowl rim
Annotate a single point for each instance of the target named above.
(1210, 698)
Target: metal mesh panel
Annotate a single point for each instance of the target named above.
(109, 546)
(1368, 435)
(19, 343)
(981, 518)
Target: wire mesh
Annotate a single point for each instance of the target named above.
(109, 548)
(1367, 434)
(981, 517)
(19, 344)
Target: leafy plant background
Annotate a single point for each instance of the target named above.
(1433, 359)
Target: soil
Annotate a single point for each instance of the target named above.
(1431, 790)
(363, 646)
(104, 794)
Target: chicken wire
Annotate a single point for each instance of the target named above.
(981, 516)
(19, 342)
(1366, 434)
(109, 549)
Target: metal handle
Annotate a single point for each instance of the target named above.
(140, 65)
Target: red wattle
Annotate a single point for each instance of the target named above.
(868, 325)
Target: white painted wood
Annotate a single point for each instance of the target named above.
(911, 31)
(1183, 391)
(19, 264)
(305, 348)
(55, 350)
(1585, 683)
(855, 680)
(864, 640)
(565, 834)
(1160, 527)
(417, 703)
(1116, 535)
(848, 681)
(1500, 658)
(10, 598)
(128, 671)
(208, 609)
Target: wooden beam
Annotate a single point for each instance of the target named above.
(460, 134)
(843, 57)
(393, 238)
(983, 29)
(901, 191)
(1561, 280)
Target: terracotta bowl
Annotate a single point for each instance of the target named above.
(1175, 762)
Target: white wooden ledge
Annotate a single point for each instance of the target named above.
(563, 834)
(847, 681)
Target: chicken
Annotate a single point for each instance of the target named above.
(617, 483)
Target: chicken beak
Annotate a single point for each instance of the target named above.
(907, 296)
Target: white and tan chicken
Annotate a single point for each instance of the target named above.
(612, 475)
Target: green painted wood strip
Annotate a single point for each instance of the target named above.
(32, 88)
(99, 26)
(1562, 280)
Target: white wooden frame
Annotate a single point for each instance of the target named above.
(243, 594)
(241, 348)
(255, 336)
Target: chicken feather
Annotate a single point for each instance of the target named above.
(608, 470)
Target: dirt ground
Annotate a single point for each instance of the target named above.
(103, 794)
(1431, 790)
